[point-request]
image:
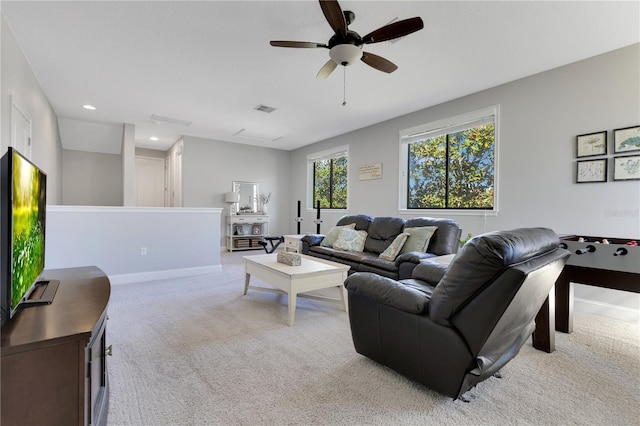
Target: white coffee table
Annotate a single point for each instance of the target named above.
(312, 274)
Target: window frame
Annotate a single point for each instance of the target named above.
(332, 153)
(439, 127)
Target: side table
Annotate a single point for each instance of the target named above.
(293, 243)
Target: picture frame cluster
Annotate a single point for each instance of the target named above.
(625, 161)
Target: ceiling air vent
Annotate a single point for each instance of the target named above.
(156, 118)
(248, 134)
(265, 108)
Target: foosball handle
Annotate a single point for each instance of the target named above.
(587, 249)
(621, 252)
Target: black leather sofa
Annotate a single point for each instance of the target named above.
(451, 327)
(381, 231)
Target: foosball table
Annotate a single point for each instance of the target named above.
(603, 262)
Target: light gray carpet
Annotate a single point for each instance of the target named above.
(195, 351)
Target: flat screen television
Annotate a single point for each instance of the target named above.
(23, 193)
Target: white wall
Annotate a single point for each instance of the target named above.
(178, 241)
(540, 117)
(17, 80)
(209, 167)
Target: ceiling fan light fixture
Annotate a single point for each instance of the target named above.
(345, 54)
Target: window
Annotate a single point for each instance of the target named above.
(328, 179)
(450, 164)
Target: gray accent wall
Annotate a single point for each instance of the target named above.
(209, 166)
(91, 178)
(540, 117)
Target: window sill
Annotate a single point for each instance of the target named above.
(448, 212)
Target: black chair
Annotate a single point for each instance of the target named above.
(450, 327)
(273, 241)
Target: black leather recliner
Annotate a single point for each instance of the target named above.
(450, 328)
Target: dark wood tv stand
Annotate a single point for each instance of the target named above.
(54, 367)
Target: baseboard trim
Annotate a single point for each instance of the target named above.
(622, 313)
(163, 275)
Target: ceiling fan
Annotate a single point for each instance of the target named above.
(345, 46)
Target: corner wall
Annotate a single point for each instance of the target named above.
(209, 166)
(18, 80)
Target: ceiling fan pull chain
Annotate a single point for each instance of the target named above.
(344, 87)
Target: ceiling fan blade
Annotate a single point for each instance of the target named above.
(378, 62)
(394, 30)
(302, 44)
(326, 69)
(333, 12)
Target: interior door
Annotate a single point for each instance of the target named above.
(20, 130)
(150, 181)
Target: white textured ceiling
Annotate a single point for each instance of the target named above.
(210, 62)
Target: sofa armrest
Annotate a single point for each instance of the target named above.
(433, 269)
(429, 272)
(388, 292)
(407, 261)
(310, 240)
(313, 239)
(413, 257)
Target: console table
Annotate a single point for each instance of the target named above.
(54, 368)
(245, 232)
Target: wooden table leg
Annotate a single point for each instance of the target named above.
(345, 297)
(292, 307)
(544, 336)
(247, 277)
(343, 292)
(564, 303)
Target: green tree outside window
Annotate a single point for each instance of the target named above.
(330, 183)
(454, 170)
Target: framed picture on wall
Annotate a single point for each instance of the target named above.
(591, 171)
(626, 168)
(626, 140)
(591, 144)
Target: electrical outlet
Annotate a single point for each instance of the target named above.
(143, 251)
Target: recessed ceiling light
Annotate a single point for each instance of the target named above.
(153, 138)
(87, 106)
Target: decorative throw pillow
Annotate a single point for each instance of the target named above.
(350, 240)
(418, 239)
(393, 250)
(332, 235)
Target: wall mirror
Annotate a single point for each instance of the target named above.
(248, 196)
